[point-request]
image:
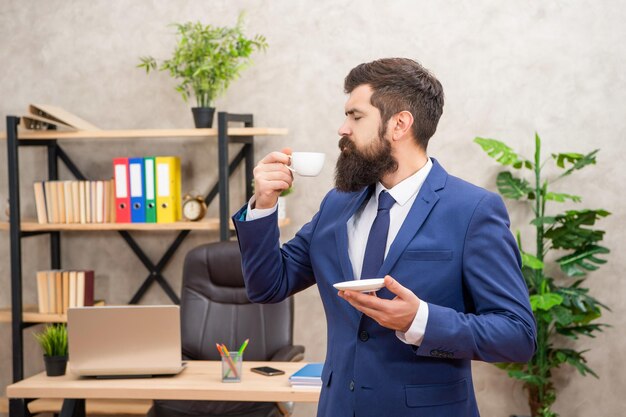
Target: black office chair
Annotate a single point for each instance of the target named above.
(215, 309)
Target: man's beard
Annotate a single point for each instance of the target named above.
(357, 169)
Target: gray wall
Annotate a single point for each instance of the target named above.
(508, 69)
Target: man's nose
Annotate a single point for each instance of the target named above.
(344, 130)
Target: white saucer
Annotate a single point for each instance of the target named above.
(363, 285)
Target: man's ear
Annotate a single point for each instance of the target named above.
(403, 122)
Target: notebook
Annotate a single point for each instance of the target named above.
(124, 341)
(308, 375)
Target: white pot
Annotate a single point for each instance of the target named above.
(282, 208)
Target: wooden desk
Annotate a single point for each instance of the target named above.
(199, 381)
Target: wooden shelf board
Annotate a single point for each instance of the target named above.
(208, 224)
(146, 133)
(93, 406)
(31, 315)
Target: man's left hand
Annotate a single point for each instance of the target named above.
(396, 314)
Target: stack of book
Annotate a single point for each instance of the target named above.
(45, 116)
(58, 290)
(308, 376)
(74, 201)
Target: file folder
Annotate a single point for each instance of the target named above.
(149, 175)
(122, 195)
(137, 190)
(168, 189)
(59, 115)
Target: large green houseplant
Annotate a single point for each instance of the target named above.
(561, 303)
(205, 61)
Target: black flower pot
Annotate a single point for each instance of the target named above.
(55, 365)
(203, 116)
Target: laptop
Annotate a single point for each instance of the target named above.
(124, 341)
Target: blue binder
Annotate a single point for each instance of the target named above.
(137, 190)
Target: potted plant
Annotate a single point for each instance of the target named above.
(53, 341)
(205, 61)
(282, 203)
(562, 305)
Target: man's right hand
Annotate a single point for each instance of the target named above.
(271, 177)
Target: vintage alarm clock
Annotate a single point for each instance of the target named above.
(194, 207)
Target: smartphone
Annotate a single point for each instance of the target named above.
(267, 370)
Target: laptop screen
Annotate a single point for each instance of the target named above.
(124, 340)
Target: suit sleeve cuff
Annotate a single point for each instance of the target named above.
(254, 214)
(415, 334)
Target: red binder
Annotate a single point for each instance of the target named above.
(122, 190)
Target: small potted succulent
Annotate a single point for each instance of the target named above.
(205, 60)
(53, 341)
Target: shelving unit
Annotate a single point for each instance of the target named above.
(22, 317)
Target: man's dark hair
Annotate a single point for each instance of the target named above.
(400, 84)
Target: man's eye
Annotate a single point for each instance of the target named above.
(357, 118)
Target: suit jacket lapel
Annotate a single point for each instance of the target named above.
(341, 232)
(425, 201)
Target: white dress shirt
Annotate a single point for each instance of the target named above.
(359, 226)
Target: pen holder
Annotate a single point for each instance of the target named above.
(231, 367)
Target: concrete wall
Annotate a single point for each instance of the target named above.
(509, 69)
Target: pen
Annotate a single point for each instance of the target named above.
(224, 352)
(243, 346)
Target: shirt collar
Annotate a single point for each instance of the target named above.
(407, 188)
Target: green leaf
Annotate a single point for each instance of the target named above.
(527, 377)
(545, 301)
(582, 260)
(575, 359)
(570, 157)
(502, 153)
(583, 330)
(537, 152)
(578, 161)
(53, 340)
(569, 233)
(560, 197)
(562, 315)
(513, 366)
(511, 187)
(538, 221)
(531, 261)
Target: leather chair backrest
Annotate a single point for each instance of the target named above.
(216, 309)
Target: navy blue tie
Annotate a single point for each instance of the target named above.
(377, 240)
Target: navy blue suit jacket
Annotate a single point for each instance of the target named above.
(454, 251)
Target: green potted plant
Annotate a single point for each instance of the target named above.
(53, 341)
(205, 61)
(282, 203)
(562, 305)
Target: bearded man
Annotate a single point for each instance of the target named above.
(453, 289)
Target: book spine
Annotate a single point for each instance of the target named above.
(89, 288)
(42, 292)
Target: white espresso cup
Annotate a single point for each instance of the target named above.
(307, 164)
